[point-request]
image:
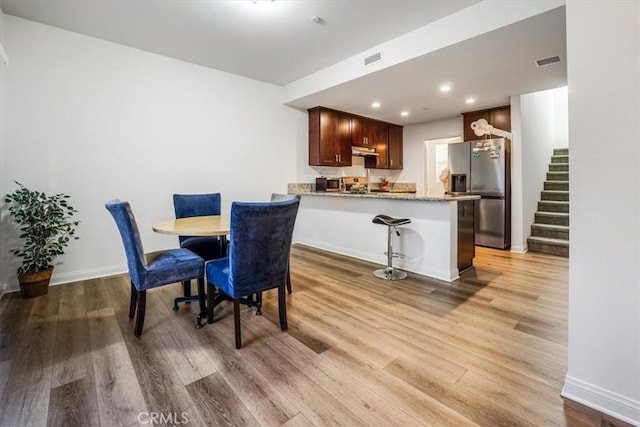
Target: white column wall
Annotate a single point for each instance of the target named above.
(604, 268)
(518, 232)
(414, 150)
(4, 286)
(100, 121)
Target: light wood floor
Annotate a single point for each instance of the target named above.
(489, 349)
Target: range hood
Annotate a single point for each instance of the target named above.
(363, 151)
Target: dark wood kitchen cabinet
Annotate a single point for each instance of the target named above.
(357, 130)
(329, 137)
(499, 118)
(395, 147)
(389, 148)
(367, 132)
(466, 236)
(332, 133)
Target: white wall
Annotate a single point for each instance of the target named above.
(414, 149)
(3, 249)
(604, 130)
(100, 121)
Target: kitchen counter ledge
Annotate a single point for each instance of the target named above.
(390, 196)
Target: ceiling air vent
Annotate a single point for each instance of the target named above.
(373, 58)
(547, 61)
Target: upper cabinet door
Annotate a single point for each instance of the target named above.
(328, 138)
(381, 140)
(395, 147)
(343, 142)
(329, 133)
(357, 137)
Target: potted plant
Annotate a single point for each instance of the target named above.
(46, 227)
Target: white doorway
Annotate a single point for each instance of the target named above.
(436, 160)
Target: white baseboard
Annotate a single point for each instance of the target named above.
(446, 275)
(519, 249)
(94, 273)
(74, 276)
(605, 401)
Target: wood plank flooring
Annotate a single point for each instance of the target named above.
(488, 349)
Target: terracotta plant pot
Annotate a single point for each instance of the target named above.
(35, 284)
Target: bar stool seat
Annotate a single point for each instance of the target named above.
(389, 272)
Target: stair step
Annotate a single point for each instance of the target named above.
(550, 231)
(560, 159)
(555, 218)
(556, 185)
(557, 176)
(548, 246)
(553, 206)
(558, 167)
(560, 151)
(557, 195)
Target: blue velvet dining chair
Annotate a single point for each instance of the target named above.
(260, 244)
(153, 270)
(277, 196)
(208, 248)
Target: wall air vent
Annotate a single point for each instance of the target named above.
(547, 61)
(373, 58)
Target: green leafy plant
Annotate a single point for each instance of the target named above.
(46, 227)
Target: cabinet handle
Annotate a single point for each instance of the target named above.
(391, 162)
(339, 157)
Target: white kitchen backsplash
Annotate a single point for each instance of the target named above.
(356, 169)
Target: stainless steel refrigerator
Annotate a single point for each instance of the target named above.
(483, 168)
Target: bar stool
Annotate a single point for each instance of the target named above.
(390, 273)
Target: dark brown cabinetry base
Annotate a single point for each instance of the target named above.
(466, 237)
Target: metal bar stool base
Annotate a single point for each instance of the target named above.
(390, 274)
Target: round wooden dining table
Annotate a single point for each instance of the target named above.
(201, 226)
(198, 226)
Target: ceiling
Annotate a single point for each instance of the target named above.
(489, 68)
(277, 42)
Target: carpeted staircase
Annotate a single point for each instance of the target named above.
(550, 231)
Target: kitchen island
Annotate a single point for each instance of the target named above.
(342, 223)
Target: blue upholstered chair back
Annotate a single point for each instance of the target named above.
(188, 205)
(260, 244)
(121, 212)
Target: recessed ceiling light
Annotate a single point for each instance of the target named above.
(445, 88)
(376, 105)
(404, 113)
(470, 100)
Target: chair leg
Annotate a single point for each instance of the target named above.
(186, 288)
(258, 303)
(210, 302)
(236, 322)
(201, 301)
(134, 301)
(142, 303)
(288, 279)
(282, 308)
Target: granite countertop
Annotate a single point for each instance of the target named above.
(392, 196)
